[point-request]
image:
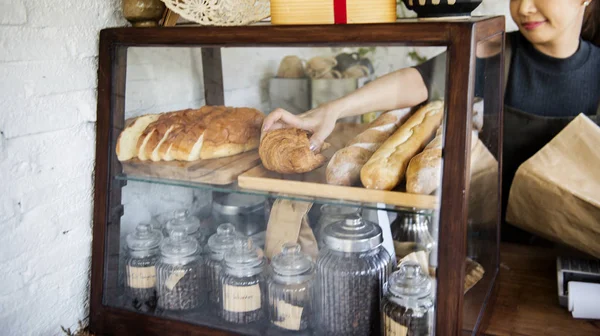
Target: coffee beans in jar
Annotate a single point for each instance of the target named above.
(290, 287)
(180, 273)
(351, 270)
(408, 303)
(243, 283)
(142, 256)
(218, 245)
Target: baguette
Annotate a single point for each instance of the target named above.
(423, 175)
(345, 165)
(424, 170)
(387, 167)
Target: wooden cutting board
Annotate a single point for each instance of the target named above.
(313, 184)
(221, 171)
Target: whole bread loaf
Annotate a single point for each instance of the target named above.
(191, 134)
(387, 166)
(345, 165)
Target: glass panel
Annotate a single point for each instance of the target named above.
(186, 200)
(483, 216)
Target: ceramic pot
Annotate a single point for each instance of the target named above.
(442, 8)
(143, 13)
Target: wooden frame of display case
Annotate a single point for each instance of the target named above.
(459, 36)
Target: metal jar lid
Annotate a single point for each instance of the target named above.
(234, 204)
(353, 234)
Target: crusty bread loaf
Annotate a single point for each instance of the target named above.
(160, 130)
(192, 134)
(128, 139)
(387, 167)
(234, 131)
(345, 165)
(423, 175)
(424, 170)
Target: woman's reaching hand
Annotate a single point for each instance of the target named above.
(319, 121)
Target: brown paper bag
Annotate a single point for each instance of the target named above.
(483, 186)
(288, 223)
(556, 193)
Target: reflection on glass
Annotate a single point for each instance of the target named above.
(483, 201)
(198, 197)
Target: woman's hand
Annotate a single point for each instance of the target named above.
(319, 121)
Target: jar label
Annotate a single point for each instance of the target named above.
(393, 328)
(403, 249)
(141, 277)
(288, 315)
(241, 299)
(174, 278)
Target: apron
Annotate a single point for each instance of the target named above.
(524, 135)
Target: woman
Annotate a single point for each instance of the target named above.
(554, 75)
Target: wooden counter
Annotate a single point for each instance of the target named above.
(527, 297)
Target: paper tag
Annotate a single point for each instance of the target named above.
(141, 277)
(241, 299)
(393, 328)
(288, 315)
(403, 249)
(174, 278)
(285, 222)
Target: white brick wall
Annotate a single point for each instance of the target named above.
(48, 64)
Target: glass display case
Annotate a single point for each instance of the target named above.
(196, 232)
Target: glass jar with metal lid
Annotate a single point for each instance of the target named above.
(218, 245)
(243, 283)
(186, 222)
(290, 288)
(351, 270)
(140, 266)
(180, 273)
(408, 303)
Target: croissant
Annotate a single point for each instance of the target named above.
(287, 151)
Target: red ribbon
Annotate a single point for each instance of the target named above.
(339, 12)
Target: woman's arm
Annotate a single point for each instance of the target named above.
(399, 89)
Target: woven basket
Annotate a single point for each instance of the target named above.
(328, 11)
(220, 12)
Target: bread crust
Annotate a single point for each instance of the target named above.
(204, 133)
(287, 151)
(387, 166)
(345, 165)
